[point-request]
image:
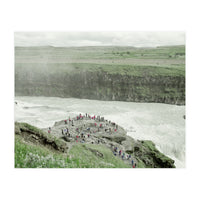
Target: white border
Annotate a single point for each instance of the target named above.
(143, 15)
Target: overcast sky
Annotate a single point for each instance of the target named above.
(137, 39)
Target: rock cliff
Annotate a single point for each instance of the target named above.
(102, 73)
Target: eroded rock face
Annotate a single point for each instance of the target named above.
(103, 86)
(147, 153)
(33, 135)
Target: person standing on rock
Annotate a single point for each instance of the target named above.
(132, 162)
(134, 165)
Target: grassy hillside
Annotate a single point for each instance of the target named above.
(35, 148)
(29, 155)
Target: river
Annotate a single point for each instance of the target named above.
(162, 123)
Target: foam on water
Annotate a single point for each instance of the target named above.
(161, 123)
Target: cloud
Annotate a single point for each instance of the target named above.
(137, 39)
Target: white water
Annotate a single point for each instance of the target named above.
(161, 123)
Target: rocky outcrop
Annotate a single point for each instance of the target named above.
(88, 131)
(147, 154)
(34, 135)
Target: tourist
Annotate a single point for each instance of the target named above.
(65, 121)
(132, 162)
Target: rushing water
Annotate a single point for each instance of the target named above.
(162, 123)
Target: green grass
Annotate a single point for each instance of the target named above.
(102, 52)
(37, 156)
(73, 68)
(89, 159)
(172, 58)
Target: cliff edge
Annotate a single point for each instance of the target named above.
(84, 141)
